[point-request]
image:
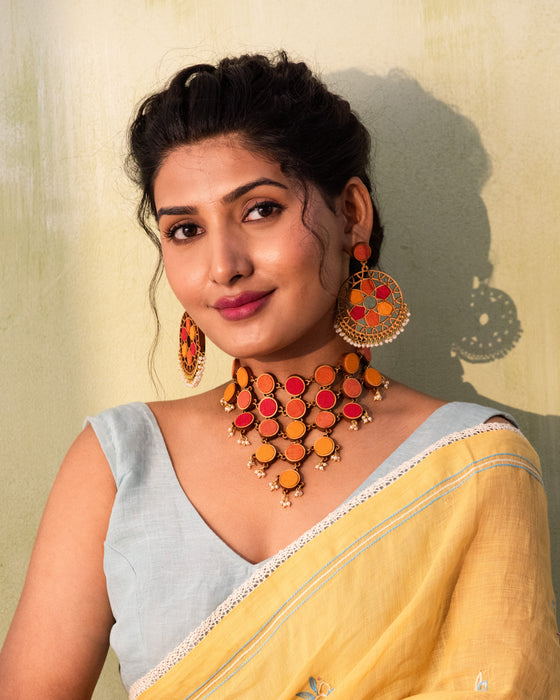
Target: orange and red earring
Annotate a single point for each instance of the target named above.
(370, 306)
(192, 345)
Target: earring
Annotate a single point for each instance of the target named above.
(192, 344)
(370, 308)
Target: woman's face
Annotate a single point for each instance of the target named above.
(238, 255)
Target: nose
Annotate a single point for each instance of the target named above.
(230, 257)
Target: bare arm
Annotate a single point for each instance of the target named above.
(59, 636)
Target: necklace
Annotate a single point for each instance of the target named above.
(313, 405)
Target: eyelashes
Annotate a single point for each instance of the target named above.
(260, 211)
(265, 209)
(188, 231)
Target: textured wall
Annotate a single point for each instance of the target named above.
(460, 97)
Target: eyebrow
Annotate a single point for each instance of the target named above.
(227, 198)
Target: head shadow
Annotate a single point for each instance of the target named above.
(429, 169)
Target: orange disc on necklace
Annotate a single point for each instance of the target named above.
(242, 375)
(325, 375)
(269, 428)
(325, 420)
(289, 479)
(351, 362)
(229, 392)
(265, 383)
(266, 453)
(324, 446)
(296, 408)
(295, 453)
(372, 377)
(296, 430)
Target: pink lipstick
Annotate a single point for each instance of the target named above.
(242, 305)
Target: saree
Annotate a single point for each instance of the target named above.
(434, 582)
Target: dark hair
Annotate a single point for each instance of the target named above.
(276, 107)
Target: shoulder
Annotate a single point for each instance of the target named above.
(193, 412)
(456, 415)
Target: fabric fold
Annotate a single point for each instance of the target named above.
(433, 582)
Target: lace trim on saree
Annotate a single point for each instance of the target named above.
(261, 574)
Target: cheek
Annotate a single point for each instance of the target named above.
(181, 275)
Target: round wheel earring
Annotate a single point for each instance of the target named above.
(370, 307)
(192, 345)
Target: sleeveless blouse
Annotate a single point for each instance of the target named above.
(166, 569)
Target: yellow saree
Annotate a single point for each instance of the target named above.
(432, 583)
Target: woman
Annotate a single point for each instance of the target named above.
(405, 558)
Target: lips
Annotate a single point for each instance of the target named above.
(242, 305)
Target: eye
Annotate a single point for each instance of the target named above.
(263, 210)
(182, 231)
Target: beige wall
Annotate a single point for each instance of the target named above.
(463, 98)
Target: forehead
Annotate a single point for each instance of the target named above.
(210, 169)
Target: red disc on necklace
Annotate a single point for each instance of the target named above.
(351, 388)
(325, 420)
(244, 420)
(289, 479)
(295, 386)
(325, 399)
(269, 428)
(244, 399)
(325, 375)
(296, 408)
(183, 334)
(295, 452)
(352, 411)
(265, 383)
(268, 407)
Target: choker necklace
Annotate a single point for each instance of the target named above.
(316, 403)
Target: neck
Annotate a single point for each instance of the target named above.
(304, 362)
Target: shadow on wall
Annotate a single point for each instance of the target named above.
(429, 170)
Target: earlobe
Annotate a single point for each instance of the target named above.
(358, 212)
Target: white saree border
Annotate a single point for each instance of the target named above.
(262, 573)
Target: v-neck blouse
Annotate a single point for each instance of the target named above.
(166, 569)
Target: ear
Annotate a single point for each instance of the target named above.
(357, 209)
